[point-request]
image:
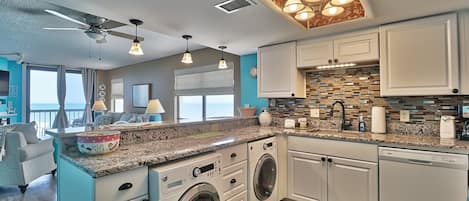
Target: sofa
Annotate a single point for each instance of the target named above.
(120, 118)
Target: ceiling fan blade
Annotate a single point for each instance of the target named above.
(62, 29)
(124, 35)
(53, 12)
(110, 24)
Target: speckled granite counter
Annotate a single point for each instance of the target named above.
(151, 153)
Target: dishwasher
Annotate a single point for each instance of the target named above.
(411, 175)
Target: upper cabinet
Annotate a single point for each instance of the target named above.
(420, 57)
(464, 48)
(278, 76)
(350, 48)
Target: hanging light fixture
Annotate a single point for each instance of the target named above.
(305, 14)
(340, 2)
(222, 63)
(293, 6)
(187, 57)
(332, 11)
(136, 48)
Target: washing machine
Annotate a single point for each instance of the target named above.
(263, 170)
(193, 179)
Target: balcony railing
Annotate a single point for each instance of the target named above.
(45, 118)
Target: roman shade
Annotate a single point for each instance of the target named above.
(117, 88)
(206, 80)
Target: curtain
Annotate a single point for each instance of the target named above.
(61, 117)
(88, 78)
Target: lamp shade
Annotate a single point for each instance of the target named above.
(332, 11)
(136, 48)
(154, 107)
(293, 6)
(99, 106)
(222, 64)
(187, 58)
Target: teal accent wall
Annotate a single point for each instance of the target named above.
(16, 73)
(249, 84)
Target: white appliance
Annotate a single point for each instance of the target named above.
(263, 170)
(196, 178)
(447, 127)
(410, 175)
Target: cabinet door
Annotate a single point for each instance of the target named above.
(357, 48)
(314, 53)
(420, 57)
(464, 42)
(278, 75)
(307, 177)
(352, 180)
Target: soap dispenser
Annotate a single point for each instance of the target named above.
(361, 124)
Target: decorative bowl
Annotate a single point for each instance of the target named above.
(98, 142)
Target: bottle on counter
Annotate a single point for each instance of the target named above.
(361, 124)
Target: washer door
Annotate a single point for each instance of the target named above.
(201, 192)
(265, 177)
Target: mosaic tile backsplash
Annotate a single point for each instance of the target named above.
(359, 89)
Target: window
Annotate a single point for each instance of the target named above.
(117, 95)
(204, 93)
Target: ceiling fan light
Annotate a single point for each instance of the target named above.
(136, 48)
(187, 58)
(332, 11)
(305, 14)
(293, 6)
(340, 2)
(95, 34)
(222, 64)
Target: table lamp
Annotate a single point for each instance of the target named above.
(99, 107)
(155, 109)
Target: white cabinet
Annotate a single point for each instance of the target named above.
(128, 185)
(420, 57)
(307, 176)
(349, 48)
(464, 48)
(328, 170)
(278, 76)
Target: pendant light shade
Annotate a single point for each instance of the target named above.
(293, 6)
(305, 14)
(187, 57)
(332, 11)
(340, 2)
(222, 63)
(136, 48)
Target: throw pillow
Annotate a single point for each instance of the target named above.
(103, 120)
(116, 116)
(133, 119)
(126, 117)
(29, 131)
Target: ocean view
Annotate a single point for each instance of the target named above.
(55, 106)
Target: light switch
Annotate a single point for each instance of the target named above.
(314, 113)
(405, 116)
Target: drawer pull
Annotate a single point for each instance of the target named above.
(125, 186)
(233, 181)
(233, 155)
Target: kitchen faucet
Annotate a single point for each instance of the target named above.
(343, 124)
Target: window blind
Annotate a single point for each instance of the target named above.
(117, 88)
(206, 80)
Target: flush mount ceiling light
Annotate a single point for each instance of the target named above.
(136, 48)
(222, 63)
(305, 14)
(332, 11)
(187, 57)
(293, 6)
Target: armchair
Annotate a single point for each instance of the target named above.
(25, 162)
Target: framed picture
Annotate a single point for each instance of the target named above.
(141, 94)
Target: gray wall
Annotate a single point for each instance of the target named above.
(160, 73)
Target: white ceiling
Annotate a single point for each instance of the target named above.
(248, 28)
(21, 23)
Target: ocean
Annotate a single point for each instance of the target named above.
(55, 106)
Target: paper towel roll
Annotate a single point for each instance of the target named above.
(378, 120)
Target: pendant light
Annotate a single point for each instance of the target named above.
(340, 2)
(187, 57)
(222, 62)
(293, 6)
(136, 48)
(305, 14)
(332, 11)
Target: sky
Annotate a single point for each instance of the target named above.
(44, 87)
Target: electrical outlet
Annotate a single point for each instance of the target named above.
(405, 115)
(314, 113)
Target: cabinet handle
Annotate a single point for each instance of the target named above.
(329, 160)
(330, 61)
(233, 155)
(233, 181)
(292, 94)
(455, 91)
(125, 186)
(336, 61)
(323, 159)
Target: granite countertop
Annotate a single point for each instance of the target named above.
(156, 152)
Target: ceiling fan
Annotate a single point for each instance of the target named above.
(95, 27)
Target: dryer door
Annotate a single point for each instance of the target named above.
(265, 176)
(201, 192)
